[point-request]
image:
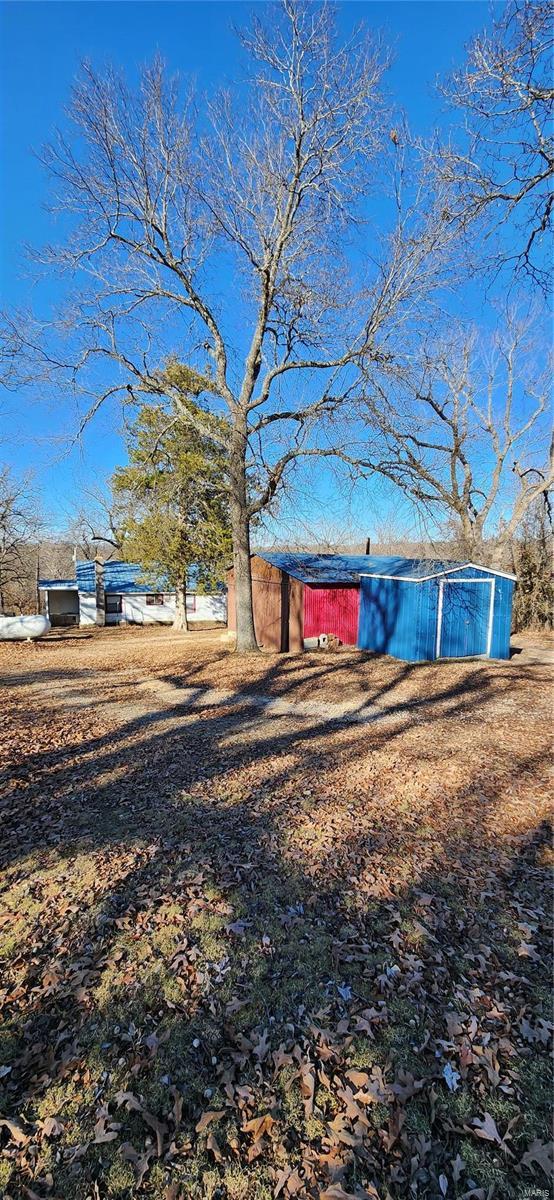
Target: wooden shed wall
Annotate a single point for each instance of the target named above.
(296, 591)
(269, 601)
(278, 603)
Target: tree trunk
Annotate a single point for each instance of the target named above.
(472, 547)
(180, 620)
(37, 578)
(240, 528)
(100, 591)
(491, 553)
(501, 553)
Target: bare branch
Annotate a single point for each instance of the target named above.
(502, 177)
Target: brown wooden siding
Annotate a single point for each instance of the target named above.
(267, 603)
(296, 615)
(278, 607)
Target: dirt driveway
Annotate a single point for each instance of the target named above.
(271, 927)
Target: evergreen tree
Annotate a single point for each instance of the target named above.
(175, 503)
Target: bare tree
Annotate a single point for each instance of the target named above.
(95, 526)
(534, 598)
(19, 529)
(503, 172)
(467, 443)
(391, 537)
(186, 225)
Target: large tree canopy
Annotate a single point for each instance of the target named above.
(238, 236)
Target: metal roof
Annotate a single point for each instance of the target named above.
(410, 568)
(318, 568)
(430, 568)
(49, 584)
(121, 578)
(347, 568)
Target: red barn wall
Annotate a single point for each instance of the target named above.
(332, 609)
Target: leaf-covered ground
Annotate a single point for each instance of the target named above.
(249, 954)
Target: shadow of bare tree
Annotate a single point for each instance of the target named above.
(251, 954)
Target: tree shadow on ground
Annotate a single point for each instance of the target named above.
(294, 924)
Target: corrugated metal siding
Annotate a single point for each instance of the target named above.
(502, 624)
(465, 617)
(378, 609)
(400, 618)
(332, 610)
(426, 620)
(502, 613)
(394, 618)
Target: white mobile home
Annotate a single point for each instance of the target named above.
(114, 593)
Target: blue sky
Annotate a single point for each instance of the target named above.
(42, 45)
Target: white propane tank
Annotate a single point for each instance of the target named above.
(18, 629)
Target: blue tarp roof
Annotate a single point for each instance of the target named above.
(347, 568)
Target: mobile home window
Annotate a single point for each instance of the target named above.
(113, 604)
(155, 598)
(191, 602)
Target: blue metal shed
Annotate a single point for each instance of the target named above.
(421, 609)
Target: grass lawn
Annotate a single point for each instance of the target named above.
(249, 954)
